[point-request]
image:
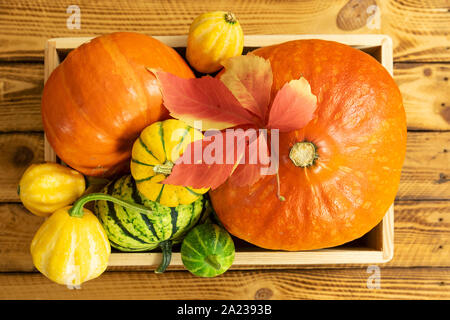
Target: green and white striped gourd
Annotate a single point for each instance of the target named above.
(207, 250)
(131, 230)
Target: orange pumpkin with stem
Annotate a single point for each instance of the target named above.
(98, 100)
(340, 173)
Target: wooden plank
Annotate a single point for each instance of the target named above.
(394, 283)
(426, 94)
(17, 228)
(422, 237)
(425, 90)
(18, 151)
(426, 171)
(21, 87)
(419, 29)
(422, 234)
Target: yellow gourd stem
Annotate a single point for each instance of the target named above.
(230, 17)
(77, 209)
(165, 169)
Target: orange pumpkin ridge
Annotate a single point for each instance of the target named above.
(99, 99)
(360, 136)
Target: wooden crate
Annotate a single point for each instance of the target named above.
(377, 246)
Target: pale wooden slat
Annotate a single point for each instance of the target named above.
(422, 238)
(419, 29)
(395, 283)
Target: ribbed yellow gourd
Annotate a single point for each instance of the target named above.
(71, 249)
(213, 37)
(153, 156)
(46, 187)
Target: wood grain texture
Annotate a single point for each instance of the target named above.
(21, 87)
(420, 29)
(422, 234)
(17, 228)
(426, 170)
(425, 90)
(18, 151)
(422, 237)
(395, 283)
(354, 14)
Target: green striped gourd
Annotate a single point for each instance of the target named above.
(207, 250)
(132, 230)
(153, 156)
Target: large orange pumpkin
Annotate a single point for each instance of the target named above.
(358, 137)
(98, 100)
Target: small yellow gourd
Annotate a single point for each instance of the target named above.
(47, 187)
(153, 156)
(213, 37)
(71, 250)
(71, 246)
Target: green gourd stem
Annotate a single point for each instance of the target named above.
(166, 247)
(212, 261)
(77, 208)
(230, 17)
(165, 169)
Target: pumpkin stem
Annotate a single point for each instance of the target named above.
(212, 261)
(165, 169)
(303, 154)
(230, 17)
(77, 209)
(166, 247)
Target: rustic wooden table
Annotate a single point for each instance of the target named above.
(421, 34)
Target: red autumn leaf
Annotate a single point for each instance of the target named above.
(206, 99)
(293, 106)
(210, 162)
(240, 97)
(250, 171)
(204, 163)
(200, 175)
(250, 79)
